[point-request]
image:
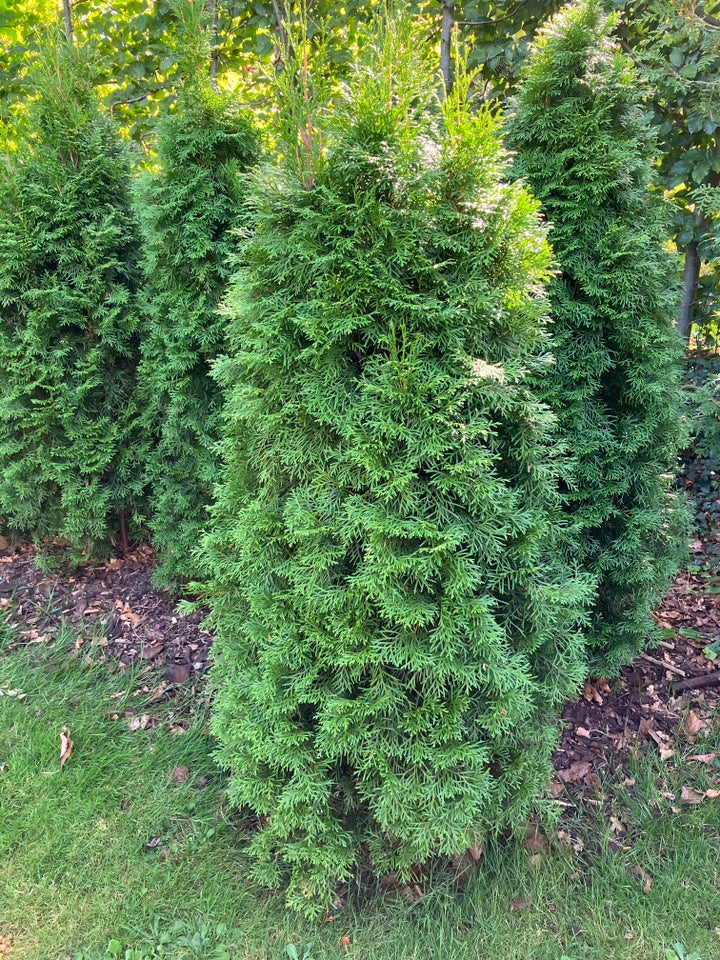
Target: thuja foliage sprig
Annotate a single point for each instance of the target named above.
(189, 208)
(585, 152)
(394, 629)
(69, 249)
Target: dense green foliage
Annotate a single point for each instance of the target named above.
(68, 271)
(586, 154)
(189, 208)
(134, 43)
(394, 631)
(677, 49)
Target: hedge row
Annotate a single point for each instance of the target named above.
(441, 458)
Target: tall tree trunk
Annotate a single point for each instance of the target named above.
(282, 36)
(213, 11)
(691, 276)
(448, 22)
(67, 15)
(693, 263)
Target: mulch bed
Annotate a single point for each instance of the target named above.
(116, 605)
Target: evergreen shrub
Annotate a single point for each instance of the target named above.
(395, 631)
(189, 208)
(586, 153)
(69, 249)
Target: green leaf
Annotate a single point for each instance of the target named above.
(677, 56)
(701, 170)
(712, 650)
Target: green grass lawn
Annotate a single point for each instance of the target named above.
(112, 852)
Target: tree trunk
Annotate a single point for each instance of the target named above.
(448, 22)
(67, 15)
(213, 11)
(691, 276)
(282, 36)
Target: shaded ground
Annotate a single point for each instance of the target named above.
(115, 605)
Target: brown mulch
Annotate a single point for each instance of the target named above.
(116, 605)
(643, 709)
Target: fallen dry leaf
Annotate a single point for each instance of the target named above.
(556, 789)
(151, 651)
(535, 840)
(139, 723)
(582, 732)
(693, 724)
(702, 757)
(592, 780)
(66, 746)
(178, 672)
(645, 877)
(591, 694)
(576, 771)
(648, 728)
(517, 905)
(127, 614)
(665, 753)
(180, 774)
(690, 795)
(576, 843)
(476, 851)
(617, 826)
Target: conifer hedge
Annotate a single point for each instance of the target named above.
(584, 149)
(189, 208)
(394, 629)
(69, 249)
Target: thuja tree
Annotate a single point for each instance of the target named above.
(585, 152)
(394, 630)
(68, 271)
(189, 209)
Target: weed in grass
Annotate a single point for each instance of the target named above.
(677, 952)
(292, 952)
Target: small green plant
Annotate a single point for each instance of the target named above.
(677, 952)
(291, 952)
(191, 941)
(116, 951)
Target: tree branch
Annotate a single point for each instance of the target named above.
(121, 103)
